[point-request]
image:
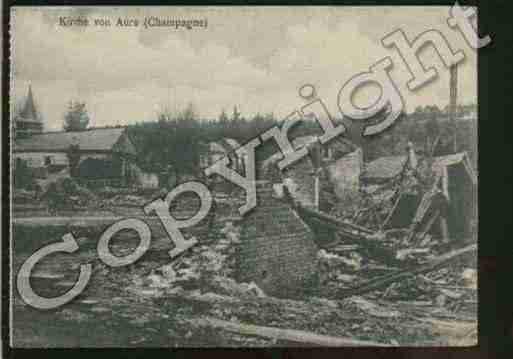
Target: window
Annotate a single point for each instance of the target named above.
(48, 160)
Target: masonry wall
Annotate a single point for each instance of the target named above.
(302, 187)
(345, 173)
(277, 250)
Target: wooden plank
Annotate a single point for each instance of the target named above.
(383, 281)
(333, 220)
(392, 210)
(288, 335)
(285, 305)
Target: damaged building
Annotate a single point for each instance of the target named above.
(329, 172)
(447, 209)
(214, 151)
(456, 180)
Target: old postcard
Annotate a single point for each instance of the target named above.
(243, 176)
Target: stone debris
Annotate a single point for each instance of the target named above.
(353, 253)
(352, 263)
(374, 309)
(469, 277)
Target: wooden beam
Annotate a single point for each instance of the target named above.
(287, 335)
(333, 220)
(285, 306)
(392, 210)
(388, 279)
(349, 233)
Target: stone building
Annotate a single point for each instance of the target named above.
(329, 172)
(101, 153)
(214, 151)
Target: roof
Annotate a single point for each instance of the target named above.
(385, 167)
(29, 112)
(99, 139)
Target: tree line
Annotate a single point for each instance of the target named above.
(177, 138)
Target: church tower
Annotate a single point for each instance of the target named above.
(28, 120)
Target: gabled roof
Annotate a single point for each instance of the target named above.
(99, 139)
(385, 167)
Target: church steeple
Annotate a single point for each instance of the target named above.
(29, 111)
(28, 120)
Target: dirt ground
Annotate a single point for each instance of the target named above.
(134, 306)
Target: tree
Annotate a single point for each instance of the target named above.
(419, 111)
(76, 118)
(432, 130)
(189, 113)
(236, 114)
(223, 117)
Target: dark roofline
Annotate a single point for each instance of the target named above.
(87, 129)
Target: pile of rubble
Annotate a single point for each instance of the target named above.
(66, 193)
(205, 268)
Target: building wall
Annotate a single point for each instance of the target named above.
(26, 128)
(300, 181)
(37, 159)
(277, 250)
(345, 173)
(144, 179)
(214, 151)
(98, 156)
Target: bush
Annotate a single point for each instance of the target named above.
(23, 176)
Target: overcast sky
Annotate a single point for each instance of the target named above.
(255, 58)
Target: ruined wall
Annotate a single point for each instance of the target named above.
(302, 184)
(345, 173)
(277, 249)
(147, 180)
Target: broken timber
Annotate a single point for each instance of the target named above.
(348, 232)
(383, 281)
(288, 335)
(352, 230)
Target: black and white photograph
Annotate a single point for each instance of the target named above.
(243, 176)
